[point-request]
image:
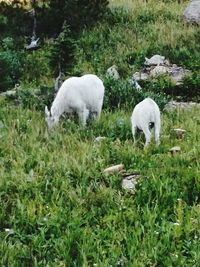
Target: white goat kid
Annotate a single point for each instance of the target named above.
(144, 114)
(82, 95)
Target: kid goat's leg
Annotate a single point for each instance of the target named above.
(157, 133)
(134, 128)
(147, 134)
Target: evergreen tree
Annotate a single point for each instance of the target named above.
(62, 50)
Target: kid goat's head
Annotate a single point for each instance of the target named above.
(51, 119)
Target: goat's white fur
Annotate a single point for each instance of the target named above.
(144, 113)
(82, 95)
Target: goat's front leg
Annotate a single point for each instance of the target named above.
(83, 114)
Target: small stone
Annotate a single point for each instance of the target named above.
(130, 182)
(9, 231)
(112, 72)
(9, 93)
(178, 132)
(30, 177)
(114, 169)
(174, 150)
(140, 76)
(99, 138)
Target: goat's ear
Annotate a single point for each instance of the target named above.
(47, 113)
(146, 59)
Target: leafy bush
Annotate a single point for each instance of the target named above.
(122, 94)
(10, 64)
(35, 98)
(36, 66)
(190, 89)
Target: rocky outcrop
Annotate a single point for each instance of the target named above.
(157, 65)
(173, 105)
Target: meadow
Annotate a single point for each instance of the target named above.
(58, 208)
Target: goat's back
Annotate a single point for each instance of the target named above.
(146, 111)
(88, 88)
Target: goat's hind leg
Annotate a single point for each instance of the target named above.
(134, 129)
(157, 134)
(147, 134)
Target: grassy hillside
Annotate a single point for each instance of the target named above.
(58, 208)
(136, 30)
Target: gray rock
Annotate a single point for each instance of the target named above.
(174, 150)
(112, 72)
(178, 132)
(178, 73)
(129, 183)
(158, 70)
(154, 60)
(175, 73)
(114, 169)
(192, 12)
(173, 105)
(9, 93)
(140, 76)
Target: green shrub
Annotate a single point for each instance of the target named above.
(190, 89)
(35, 98)
(10, 64)
(121, 94)
(36, 66)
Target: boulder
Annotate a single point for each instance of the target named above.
(158, 70)
(192, 12)
(154, 60)
(177, 73)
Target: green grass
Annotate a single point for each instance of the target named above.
(136, 30)
(63, 211)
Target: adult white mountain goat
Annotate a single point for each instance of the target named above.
(83, 95)
(144, 114)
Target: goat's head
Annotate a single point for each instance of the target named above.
(50, 118)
